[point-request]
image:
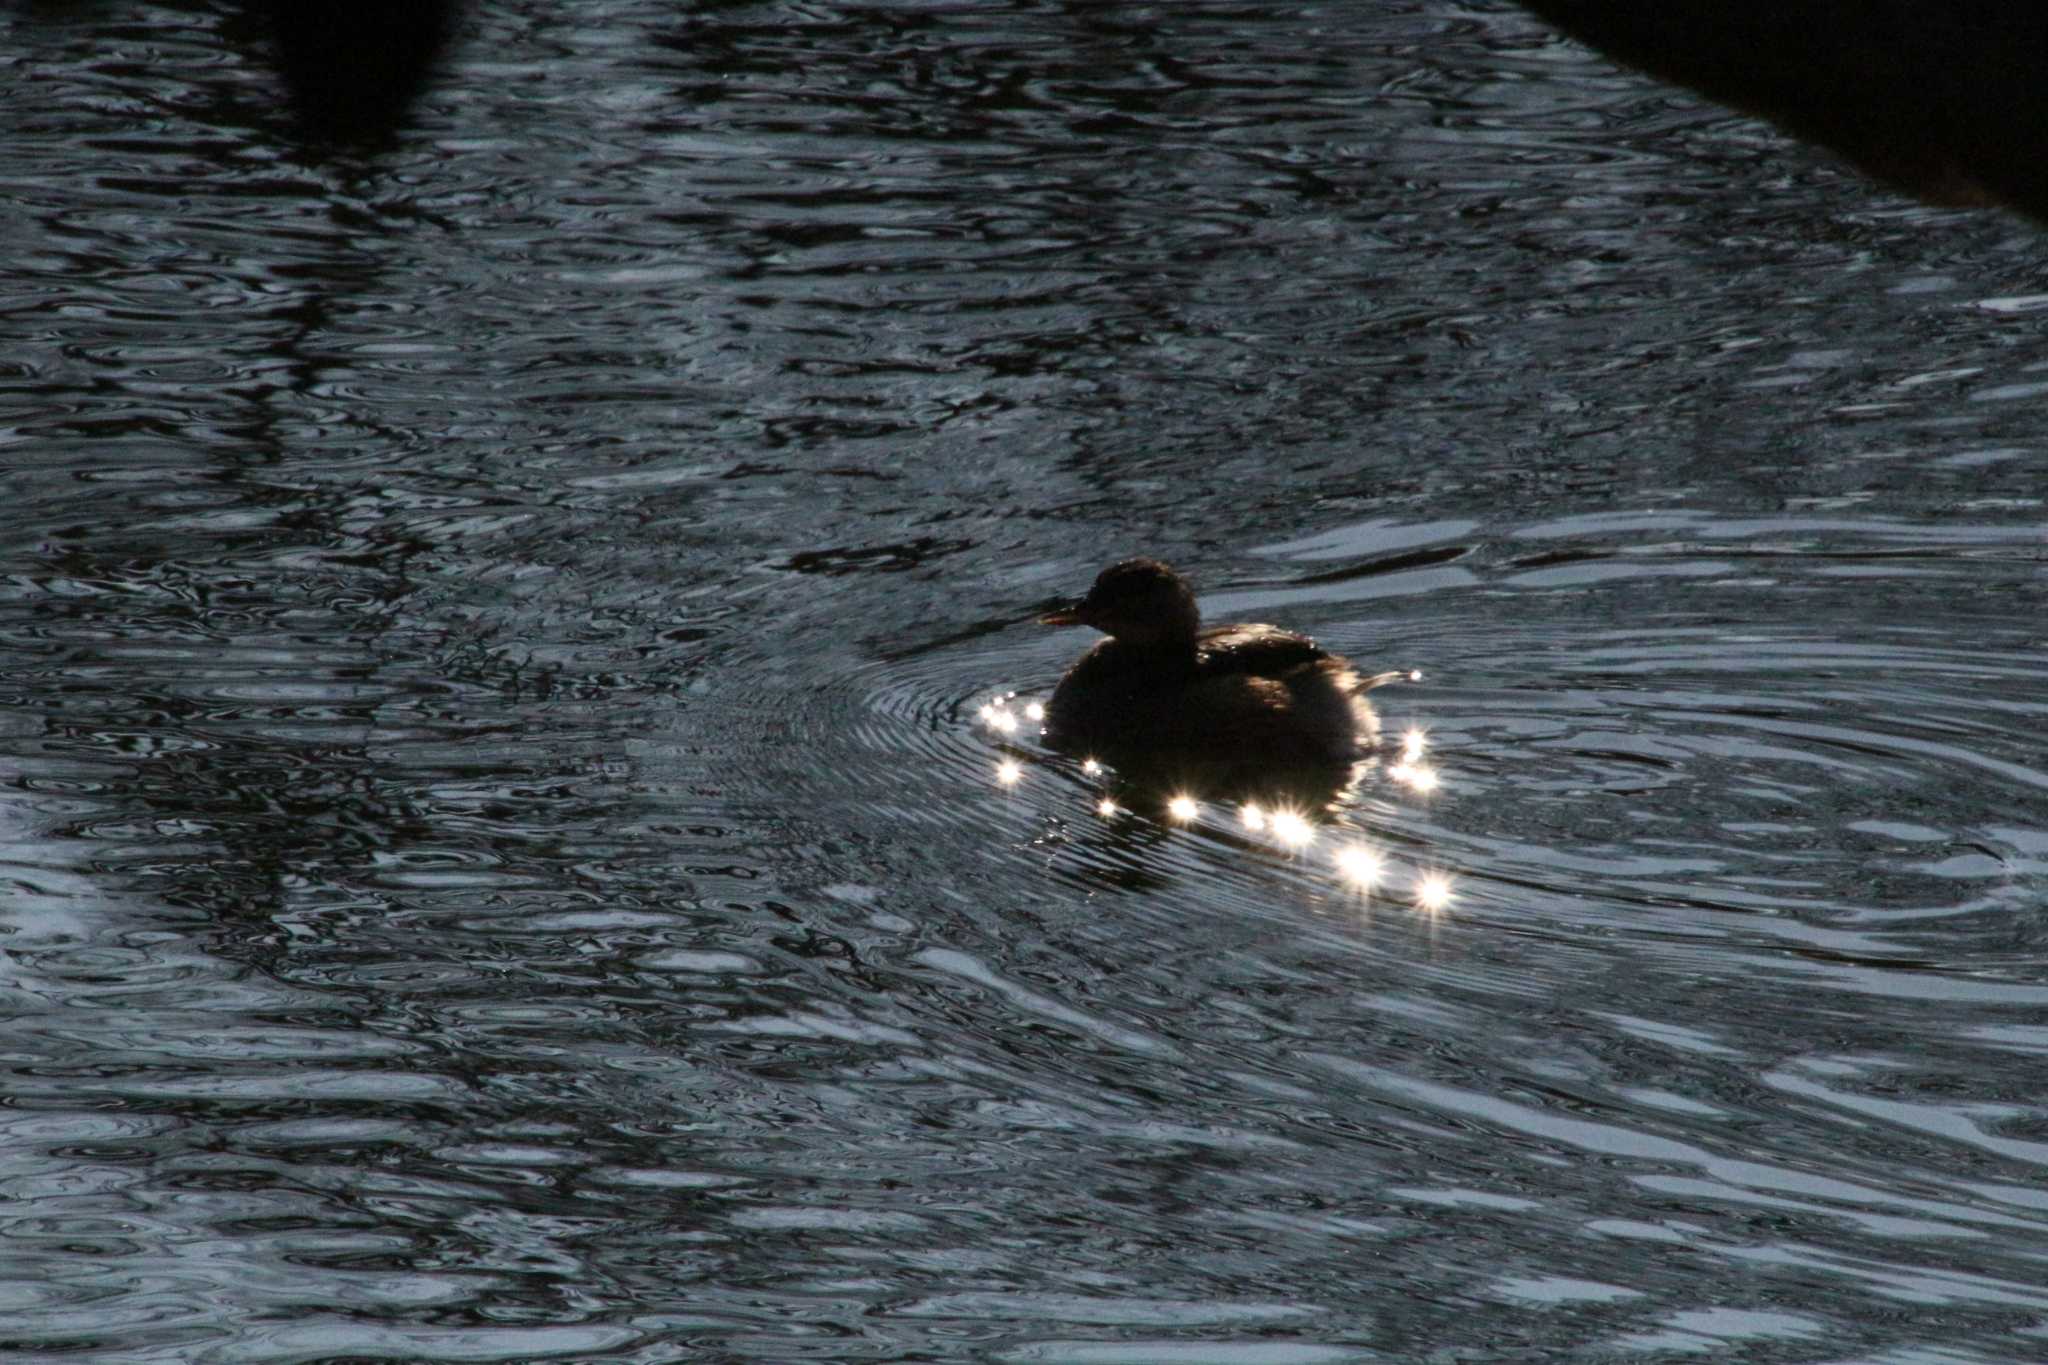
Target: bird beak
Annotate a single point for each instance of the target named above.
(1065, 616)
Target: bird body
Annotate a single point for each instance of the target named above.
(1227, 702)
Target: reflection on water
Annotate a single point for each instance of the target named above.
(505, 861)
(1289, 830)
(1941, 100)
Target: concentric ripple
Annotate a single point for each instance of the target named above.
(948, 742)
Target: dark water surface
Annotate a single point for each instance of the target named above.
(502, 862)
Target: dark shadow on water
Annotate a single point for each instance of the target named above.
(353, 73)
(1944, 101)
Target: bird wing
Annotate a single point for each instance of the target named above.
(1263, 651)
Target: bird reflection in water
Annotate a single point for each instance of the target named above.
(1291, 811)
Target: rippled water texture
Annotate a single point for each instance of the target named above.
(503, 858)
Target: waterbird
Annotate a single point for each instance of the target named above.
(1231, 705)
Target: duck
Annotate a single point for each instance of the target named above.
(1163, 694)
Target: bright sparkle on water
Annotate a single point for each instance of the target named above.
(1412, 745)
(1359, 865)
(997, 715)
(1292, 830)
(1420, 777)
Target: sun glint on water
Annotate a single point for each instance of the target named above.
(1412, 745)
(1359, 866)
(1292, 829)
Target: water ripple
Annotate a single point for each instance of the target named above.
(503, 854)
